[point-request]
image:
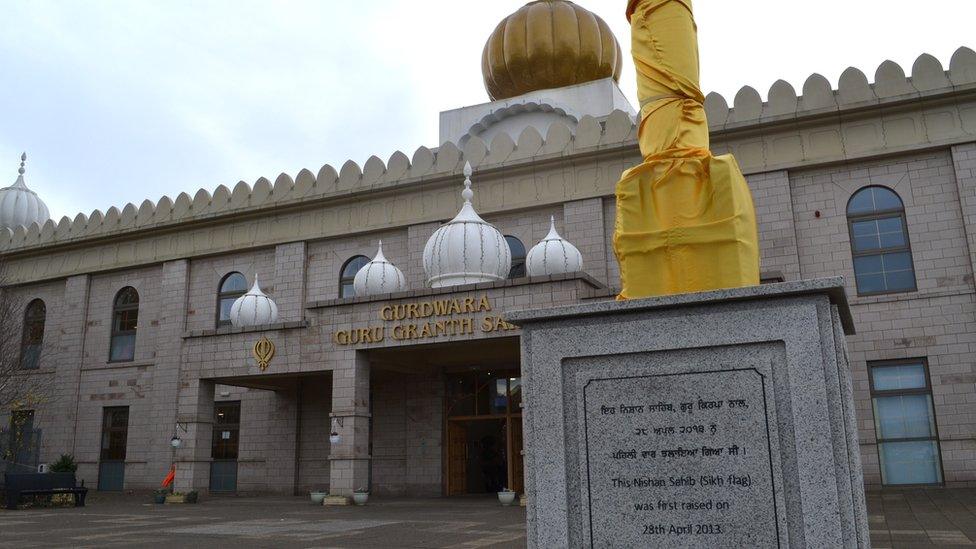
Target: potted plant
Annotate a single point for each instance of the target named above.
(360, 496)
(159, 495)
(506, 497)
(318, 496)
(64, 464)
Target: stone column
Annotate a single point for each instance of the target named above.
(166, 372)
(349, 468)
(195, 413)
(289, 281)
(69, 355)
(964, 163)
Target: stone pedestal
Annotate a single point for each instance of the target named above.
(721, 419)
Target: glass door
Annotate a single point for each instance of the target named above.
(483, 432)
(115, 434)
(226, 435)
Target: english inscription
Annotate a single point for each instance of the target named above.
(679, 460)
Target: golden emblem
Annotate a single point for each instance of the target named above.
(264, 351)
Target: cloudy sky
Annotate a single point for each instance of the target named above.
(116, 101)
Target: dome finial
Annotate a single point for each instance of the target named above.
(23, 159)
(467, 194)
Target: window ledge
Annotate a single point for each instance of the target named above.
(118, 365)
(230, 330)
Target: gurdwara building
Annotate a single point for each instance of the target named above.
(263, 340)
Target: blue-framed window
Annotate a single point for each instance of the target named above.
(879, 242)
(904, 419)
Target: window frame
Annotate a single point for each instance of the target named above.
(113, 332)
(876, 216)
(345, 280)
(926, 390)
(222, 295)
(522, 261)
(107, 429)
(26, 333)
(216, 446)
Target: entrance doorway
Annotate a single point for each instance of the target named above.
(484, 432)
(111, 463)
(226, 434)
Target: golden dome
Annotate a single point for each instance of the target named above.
(548, 44)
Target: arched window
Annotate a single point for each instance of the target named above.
(233, 286)
(33, 336)
(125, 321)
(348, 276)
(879, 240)
(518, 257)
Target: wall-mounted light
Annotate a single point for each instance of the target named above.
(335, 437)
(176, 441)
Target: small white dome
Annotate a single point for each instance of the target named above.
(554, 255)
(467, 249)
(20, 205)
(253, 309)
(379, 276)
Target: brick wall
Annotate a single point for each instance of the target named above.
(207, 273)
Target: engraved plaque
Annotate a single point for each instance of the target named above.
(680, 460)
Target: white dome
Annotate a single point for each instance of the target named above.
(467, 249)
(253, 309)
(379, 276)
(554, 255)
(20, 205)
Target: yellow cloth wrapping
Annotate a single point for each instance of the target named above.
(685, 219)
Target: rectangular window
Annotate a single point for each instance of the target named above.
(904, 418)
(115, 433)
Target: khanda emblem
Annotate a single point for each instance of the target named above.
(264, 351)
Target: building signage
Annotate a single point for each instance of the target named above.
(437, 318)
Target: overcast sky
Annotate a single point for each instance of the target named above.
(119, 101)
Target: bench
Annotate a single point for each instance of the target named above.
(18, 485)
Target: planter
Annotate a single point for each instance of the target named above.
(506, 498)
(318, 497)
(177, 499)
(360, 498)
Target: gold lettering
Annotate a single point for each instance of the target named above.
(487, 325)
(442, 307)
(398, 332)
(425, 331)
(386, 313)
(485, 305)
(342, 338)
(440, 328)
(412, 310)
(455, 307)
(469, 305)
(426, 309)
(412, 331)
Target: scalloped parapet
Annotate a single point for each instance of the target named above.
(617, 130)
(891, 84)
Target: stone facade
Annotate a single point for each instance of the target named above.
(804, 158)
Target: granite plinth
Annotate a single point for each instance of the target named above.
(722, 419)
